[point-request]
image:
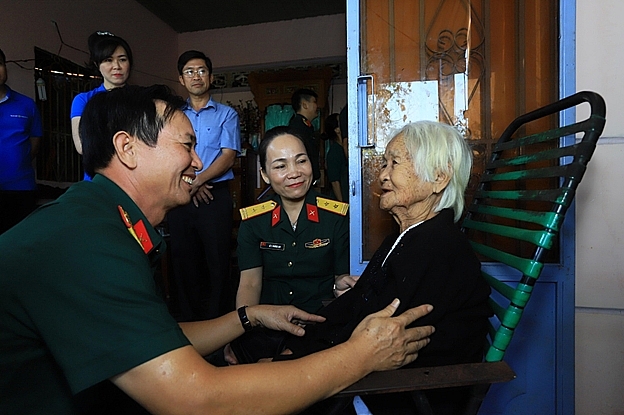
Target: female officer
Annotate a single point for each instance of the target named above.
(293, 248)
(112, 57)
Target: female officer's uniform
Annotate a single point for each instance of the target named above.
(298, 265)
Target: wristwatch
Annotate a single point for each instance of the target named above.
(242, 315)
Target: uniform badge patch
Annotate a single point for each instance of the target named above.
(334, 206)
(317, 243)
(255, 210)
(272, 246)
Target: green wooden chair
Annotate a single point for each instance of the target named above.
(514, 219)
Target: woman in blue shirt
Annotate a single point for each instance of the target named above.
(112, 57)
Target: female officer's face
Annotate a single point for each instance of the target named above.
(288, 169)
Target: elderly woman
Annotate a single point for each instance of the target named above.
(424, 175)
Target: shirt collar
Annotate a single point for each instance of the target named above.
(210, 104)
(8, 94)
(117, 194)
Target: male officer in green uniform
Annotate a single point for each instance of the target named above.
(299, 265)
(305, 106)
(78, 308)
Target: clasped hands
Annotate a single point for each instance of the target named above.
(201, 193)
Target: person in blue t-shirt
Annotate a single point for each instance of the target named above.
(112, 57)
(20, 136)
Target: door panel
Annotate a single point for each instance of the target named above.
(486, 61)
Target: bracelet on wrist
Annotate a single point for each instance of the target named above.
(242, 315)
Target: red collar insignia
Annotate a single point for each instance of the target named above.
(312, 213)
(276, 215)
(138, 231)
(307, 122)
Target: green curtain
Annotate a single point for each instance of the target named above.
(281, 114)
(277, 115)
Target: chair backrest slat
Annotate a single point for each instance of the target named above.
(523, 196)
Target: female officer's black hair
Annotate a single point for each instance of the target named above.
(269, 136)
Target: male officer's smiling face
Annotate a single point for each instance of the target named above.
(171, 164)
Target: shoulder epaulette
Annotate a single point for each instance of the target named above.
(259, 209)
(334, 206)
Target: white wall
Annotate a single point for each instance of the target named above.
(306, 41)
(28, 23)
(599, 228)
(287, 41)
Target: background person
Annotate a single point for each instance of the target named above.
(111, 56)
(20, 136)
(201, 231)
(305, 106)
(77, 311)
(336, 160)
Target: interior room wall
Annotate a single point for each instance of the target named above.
(307, 39)
(600, 226)
(25, 24)
(272, 45)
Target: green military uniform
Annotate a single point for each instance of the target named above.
(78, 303)
(298, 265)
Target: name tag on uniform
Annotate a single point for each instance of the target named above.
(272, 246)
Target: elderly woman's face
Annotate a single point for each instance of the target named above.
(288, 168)
(402, 191)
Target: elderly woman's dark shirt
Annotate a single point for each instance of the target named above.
(432, 264)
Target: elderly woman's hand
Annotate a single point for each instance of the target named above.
(344, 283)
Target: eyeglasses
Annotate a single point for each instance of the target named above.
(189, 73)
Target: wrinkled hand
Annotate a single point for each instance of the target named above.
(285, 318)
(385, 339)
(344, 283)
(202, 194)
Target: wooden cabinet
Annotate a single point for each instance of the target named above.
(277, 87)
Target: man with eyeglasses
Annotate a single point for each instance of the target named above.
(201, 230)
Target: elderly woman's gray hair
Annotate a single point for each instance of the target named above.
(435, 147)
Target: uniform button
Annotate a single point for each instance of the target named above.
(290, 293)
(294, 243)
(290, 263)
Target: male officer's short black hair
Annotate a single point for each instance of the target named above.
(300, 95)
(131, 109)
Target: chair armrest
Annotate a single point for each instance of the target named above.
(403, 380)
